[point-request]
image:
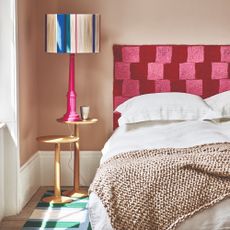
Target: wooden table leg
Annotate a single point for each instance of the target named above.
(76, 167)
(57, 171)
(57, 198)
(76, 192)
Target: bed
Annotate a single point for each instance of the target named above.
(154, 70)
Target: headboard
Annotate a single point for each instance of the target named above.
(197, 69)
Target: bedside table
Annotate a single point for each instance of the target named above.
(77, 192)
(57, 140)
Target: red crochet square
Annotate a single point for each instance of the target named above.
(171, 71)
(178, 86)
(130, 88)
(139, 71)
(203, 70)
(116, 116)
(210, 88)
(147, 53)
(117, 53)
(147, 86)
(179, 54)
(212, 53)
(117, 89)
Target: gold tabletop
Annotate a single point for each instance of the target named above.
(55, 139)
(81, 122)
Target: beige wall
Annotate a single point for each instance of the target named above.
(28, 79)
(122, 22)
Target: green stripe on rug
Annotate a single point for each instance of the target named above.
(72, 215)
(52, 224)
(69, 205)
(89, 227)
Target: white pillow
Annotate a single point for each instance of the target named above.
(164, 106)
(220, 103)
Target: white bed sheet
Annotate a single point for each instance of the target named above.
(151, 135)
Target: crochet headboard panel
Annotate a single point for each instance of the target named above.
(197, 69)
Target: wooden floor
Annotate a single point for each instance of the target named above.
(16, 222)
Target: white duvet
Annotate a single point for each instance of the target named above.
(154, 135)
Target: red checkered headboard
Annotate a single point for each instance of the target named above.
(197, 69)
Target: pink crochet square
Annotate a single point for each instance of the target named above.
(122, 70)
(225, 53)
(219, 70)
(194, 87)
(130, 88)
(162, 86)
(119, 100)
(155, 71)
(224, 85)
(195, 54)
(164, 54)
(131, 54)
(187, 71)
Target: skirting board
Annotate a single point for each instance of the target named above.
(89, 162)
(2, 194)
(39, 171)
(29, 179)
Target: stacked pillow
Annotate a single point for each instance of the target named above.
(220, 103)
(172, 107)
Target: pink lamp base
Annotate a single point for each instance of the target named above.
(73, 116)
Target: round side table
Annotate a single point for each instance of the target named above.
(77, 192)
(57, 140)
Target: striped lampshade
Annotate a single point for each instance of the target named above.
(72, 33)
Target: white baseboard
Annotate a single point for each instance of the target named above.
(89, 162)
(39, 171)
(29, 179)
(2, 179)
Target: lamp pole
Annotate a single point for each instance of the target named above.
(71, 114)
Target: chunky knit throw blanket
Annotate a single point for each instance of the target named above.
(159, 188)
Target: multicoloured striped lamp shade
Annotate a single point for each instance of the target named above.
(72, 33)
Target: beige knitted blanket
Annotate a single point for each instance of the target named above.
(159, 188)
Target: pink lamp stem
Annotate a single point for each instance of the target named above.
(71, 114)
(71, 72)
(71, 95)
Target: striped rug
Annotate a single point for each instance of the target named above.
(73, 215)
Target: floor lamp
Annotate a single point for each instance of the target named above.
(72, 34)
